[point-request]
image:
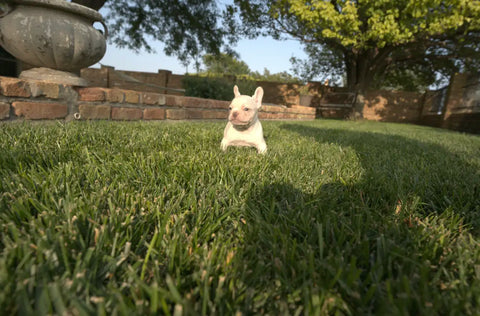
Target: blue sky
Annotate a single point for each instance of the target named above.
(259, 53)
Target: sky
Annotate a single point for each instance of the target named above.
(259, 53)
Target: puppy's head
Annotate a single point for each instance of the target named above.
(244, 109)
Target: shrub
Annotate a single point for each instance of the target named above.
(217, 88)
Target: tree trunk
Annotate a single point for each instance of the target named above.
(359, 78)
(93, 4)
(359, 72)
(351, 69)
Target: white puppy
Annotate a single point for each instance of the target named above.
(243, 127)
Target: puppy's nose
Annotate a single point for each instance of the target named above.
(234, 114)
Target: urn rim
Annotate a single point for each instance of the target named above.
(63, 6)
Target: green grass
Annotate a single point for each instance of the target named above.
(338, 217)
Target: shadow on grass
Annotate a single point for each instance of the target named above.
(397, 168)
(394, 242)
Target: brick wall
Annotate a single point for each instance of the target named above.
(280, 93)
(460, 112)
(375, 105)
(38, 100)
(109, 77)
(393, 106)
(462, 109)
(20, 99)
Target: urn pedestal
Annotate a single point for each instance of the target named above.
(56, 36)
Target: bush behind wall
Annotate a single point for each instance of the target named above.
(216, 87)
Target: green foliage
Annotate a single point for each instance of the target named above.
(188, 28)
(373, 39)
(227, 64)
(414, 78)
(222, 73)
(283, 76)
(321, 65)
(152, 218)
(376, 24)
(230, 64)
(366, 42)
(216, 87)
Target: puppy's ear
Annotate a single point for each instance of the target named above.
(258, 96)
(236, 92)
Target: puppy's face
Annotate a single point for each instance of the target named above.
(244, 109)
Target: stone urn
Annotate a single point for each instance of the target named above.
(55, 35)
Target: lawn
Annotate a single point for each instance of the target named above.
(152, 218)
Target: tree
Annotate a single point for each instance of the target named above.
(230, 64)
(371, 40)
(275, 77)
(225, 64)
(188, 28)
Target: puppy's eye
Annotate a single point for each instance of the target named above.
(229, 108)
(246, 109)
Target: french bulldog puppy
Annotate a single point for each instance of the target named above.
(243, 127)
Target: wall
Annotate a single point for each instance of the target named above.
(39, 100)
(458, 106)
(462, 109)
(375, 105)
(433, 108)
(393, 106)
(280, 93)
(108, 77)
(337, 103)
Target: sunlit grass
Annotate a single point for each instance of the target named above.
(139, 218)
